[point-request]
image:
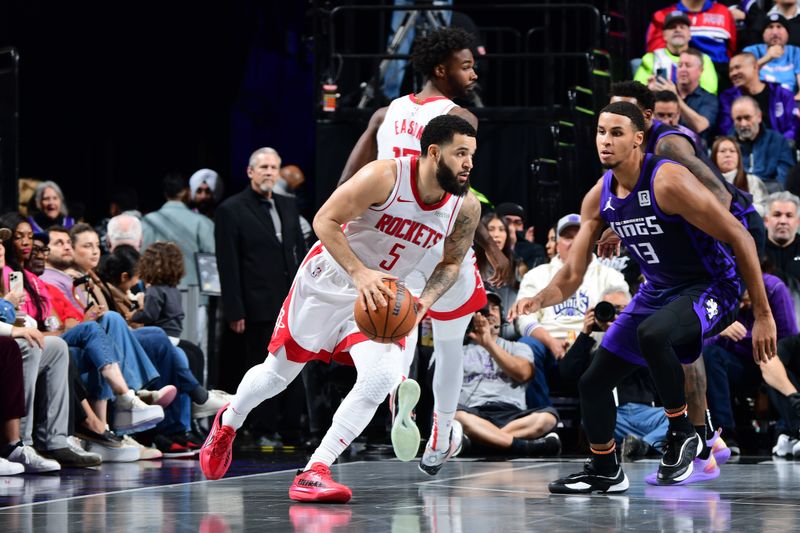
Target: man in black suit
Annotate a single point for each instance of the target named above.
(259, 246)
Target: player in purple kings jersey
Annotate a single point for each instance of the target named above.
(664, 140)
(672, 226)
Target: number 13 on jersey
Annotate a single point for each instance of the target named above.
(646, 252)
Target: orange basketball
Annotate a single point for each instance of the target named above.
(391, 323)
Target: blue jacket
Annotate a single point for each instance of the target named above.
(769, 157)
(781, 110)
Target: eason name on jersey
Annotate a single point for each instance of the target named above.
(637, 226)
(409, 127)
(408, 230)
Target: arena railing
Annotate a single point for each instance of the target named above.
(560, 43)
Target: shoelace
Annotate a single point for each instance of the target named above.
(321, 470)
(223, 443)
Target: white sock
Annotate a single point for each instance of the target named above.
(125, 400)
(258, 384)
(378, 368)
(352, 416)
(232, 418)
(440, 430)
(448, 346)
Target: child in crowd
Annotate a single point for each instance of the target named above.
(161, 269)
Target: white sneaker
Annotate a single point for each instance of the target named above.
(145, 453)
(113, 454)
(76, 445)
(795, 447)
(432, 460)
(133, 415)
(217, 399)
(405, 433)
(7, 468)
(32, 461)
(784, 446)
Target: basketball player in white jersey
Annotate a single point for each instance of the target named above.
(444, 58)
(378, 225)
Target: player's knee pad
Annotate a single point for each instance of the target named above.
(375, 382)
(263, 382)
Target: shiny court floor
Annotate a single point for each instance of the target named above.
(468, 495)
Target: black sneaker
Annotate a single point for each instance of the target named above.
(679, 454)
(547, 446)
(633, 447)
(590, 481)
(188, 441)
(171, 449)
(107, 438)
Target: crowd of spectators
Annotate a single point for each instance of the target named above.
(104, 330)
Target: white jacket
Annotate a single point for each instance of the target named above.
(565, 320)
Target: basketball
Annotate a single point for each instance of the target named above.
(391, 323)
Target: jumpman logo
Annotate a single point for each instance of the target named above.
(608, 205)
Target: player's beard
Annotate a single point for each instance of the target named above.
(448, 180)
(610, 166)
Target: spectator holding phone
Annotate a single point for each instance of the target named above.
(663, 62)
(698, 107)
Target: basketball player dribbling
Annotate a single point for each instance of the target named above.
(676, 231)
(392, 211)
(444, 58)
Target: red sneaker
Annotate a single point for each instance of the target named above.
(217, 452)
(316, 485)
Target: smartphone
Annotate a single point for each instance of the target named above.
(662, 73)
(15, 282)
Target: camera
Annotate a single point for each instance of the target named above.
(603, 312)
(81, 280)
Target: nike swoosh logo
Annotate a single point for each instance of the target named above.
(404, 201)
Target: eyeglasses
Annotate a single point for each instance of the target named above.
(40, 250)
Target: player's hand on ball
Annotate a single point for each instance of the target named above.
(523, 306)
(765, 343)
(372, 291)
(608, 244)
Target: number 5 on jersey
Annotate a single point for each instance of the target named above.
(394, 254)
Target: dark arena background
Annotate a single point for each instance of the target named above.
(103, 97)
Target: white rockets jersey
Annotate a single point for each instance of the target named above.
(395, 236)
(400, 132)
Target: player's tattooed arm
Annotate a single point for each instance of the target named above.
(679, 150)
(455, 248)
(366, 149)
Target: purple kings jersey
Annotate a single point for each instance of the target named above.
(669, 250)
